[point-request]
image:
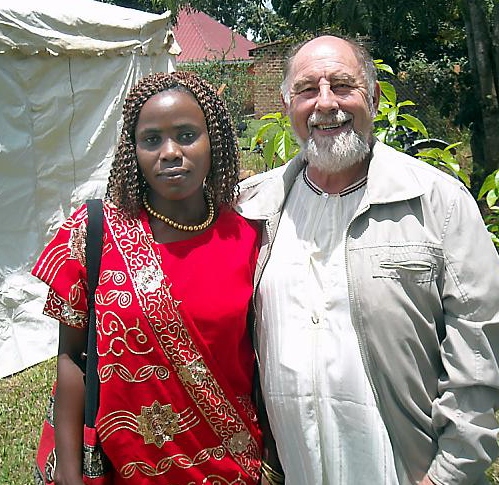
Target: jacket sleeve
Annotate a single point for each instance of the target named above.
(463, 414)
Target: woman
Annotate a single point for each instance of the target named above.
(175, 359)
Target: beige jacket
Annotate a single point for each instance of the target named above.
(424, 299)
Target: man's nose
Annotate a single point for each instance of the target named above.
(326, 98)
(170, 150)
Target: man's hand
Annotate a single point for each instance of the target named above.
(426, 481)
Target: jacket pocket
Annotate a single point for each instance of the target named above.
(415, 265)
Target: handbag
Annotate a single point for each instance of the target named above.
(96, 467)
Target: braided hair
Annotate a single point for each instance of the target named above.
(126, 183)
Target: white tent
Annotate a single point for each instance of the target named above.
(65, 69)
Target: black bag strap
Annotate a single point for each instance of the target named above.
(93, 253)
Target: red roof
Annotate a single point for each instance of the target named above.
(202, 38)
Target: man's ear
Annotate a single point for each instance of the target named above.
(377, 94)
(284, 104)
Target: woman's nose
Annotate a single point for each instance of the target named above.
(170, 150)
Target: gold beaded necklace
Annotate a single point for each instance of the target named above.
(176, 225)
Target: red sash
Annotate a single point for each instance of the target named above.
(166, 413)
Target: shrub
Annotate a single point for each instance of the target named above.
(232, 80)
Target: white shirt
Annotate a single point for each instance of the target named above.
(320, 404)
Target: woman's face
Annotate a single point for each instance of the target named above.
(172, 145)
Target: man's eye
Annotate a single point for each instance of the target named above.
(342, 87)
(307, 91)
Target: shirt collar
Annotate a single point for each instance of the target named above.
(347, 190)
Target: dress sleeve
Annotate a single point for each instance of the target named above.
(469, 388)
(62, 267)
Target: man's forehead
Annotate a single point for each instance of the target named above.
(330, 77)
(328, 59)
(311, 71)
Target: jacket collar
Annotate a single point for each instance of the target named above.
(390, 178)
(262, 196)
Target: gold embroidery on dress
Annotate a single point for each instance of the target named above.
(73, 317)
(142, 374)
(58, 308)
(193, 373)
(122, 336)
(122, 298)
(218, 480)
(95, 463)
(143, 262)
(247, 403)
(181, 461)
(148, 279)
(50, 410)
(77, 243)
(239, 442)
(118, 277)
(156, 424)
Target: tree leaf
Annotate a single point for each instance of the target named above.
(488, 184)
(491, 198)
(272, 116)
(268, 152)
(388, 92)
(282, 145)
(417, 124)
(392, 115)
(407, 102)
(263, 129)
(383, 67)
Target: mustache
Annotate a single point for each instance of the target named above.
(339, 116)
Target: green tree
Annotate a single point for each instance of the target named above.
(445, 31)
(482, 27)
(386, 22)
(231, 79)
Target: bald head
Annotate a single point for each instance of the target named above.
(320, 46)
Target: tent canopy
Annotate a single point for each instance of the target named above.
(65, 70)
(82, 27)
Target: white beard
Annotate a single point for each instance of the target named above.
(335, 154)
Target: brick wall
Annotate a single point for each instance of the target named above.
(268, 67)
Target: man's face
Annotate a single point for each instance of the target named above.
(329, 98)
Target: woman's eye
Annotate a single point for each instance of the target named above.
(151, 140)
(186, 137)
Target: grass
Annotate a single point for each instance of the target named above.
(493, 473)
(252, 161)
(23, 401)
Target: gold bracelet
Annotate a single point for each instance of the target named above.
(273, 477)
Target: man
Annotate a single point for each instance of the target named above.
(377, 290)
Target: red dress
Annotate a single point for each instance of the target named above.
(175, 358)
